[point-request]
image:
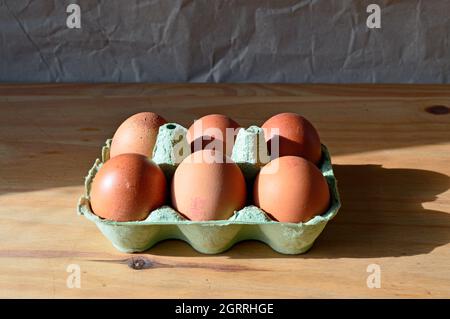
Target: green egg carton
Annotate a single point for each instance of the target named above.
(211, 237)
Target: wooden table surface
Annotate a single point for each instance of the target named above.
(391, 153)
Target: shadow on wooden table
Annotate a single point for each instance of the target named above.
(382, 215)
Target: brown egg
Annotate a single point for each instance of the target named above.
(211, 128)
(208, 186)
(297, 137)
(291, 189)
(128, 187)
(137, 134)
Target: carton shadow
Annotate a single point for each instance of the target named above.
(382, 215)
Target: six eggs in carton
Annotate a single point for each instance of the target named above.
(207, 184)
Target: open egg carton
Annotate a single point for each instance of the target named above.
(211, 237)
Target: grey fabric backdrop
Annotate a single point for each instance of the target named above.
(225, 41)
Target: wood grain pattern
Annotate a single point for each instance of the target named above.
(392, 159)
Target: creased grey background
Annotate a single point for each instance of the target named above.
(225, 41)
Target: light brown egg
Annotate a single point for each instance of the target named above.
(297, 137)
(205, 187)
(211, 128)
(137, 134)
(127, 188)
(291, 189)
